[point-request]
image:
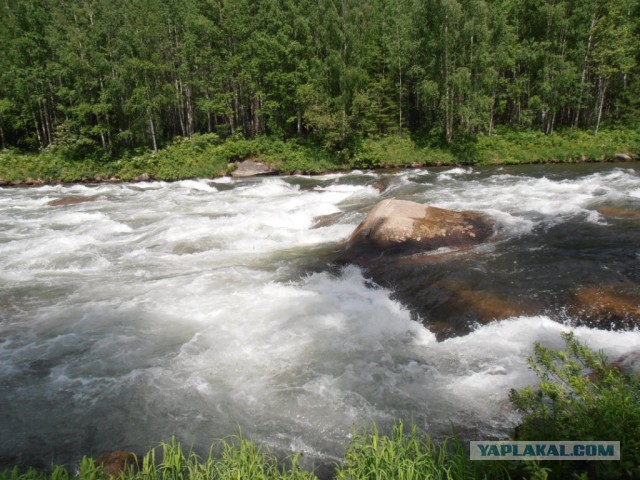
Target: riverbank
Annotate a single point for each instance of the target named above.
(208, 156)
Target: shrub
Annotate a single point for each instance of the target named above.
(568, 405)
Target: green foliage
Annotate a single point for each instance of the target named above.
(571, 406)
(237, 459)
(527, 146)
(395, 151)
(199, 156)
(406, 455)
(207, 155)
(117, 76)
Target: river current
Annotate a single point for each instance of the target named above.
(204, 307)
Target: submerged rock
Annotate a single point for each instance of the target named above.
(402, 227)
(250, 168)
(619, 212)
(606, 306)
(487, 306)
(70, 201)
(451, 307)
(326, 220)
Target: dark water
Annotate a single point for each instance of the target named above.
(583, 234)
(200, 307)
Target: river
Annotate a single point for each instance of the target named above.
(203, 307)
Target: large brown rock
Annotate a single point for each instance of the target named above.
(250, 168)
(401, 227)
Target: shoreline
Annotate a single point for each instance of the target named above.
(144, 177)
(209, 157)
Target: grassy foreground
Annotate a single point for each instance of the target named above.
(566, 405)
(207, 156)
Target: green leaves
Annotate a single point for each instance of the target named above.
(128, 74)
(581, 397)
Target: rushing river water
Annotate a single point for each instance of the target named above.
(201, 307)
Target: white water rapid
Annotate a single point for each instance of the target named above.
(201, 307)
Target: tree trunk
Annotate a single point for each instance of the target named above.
(448, 121)
(399, 84)
(191, 118)
(602, 93)
(179, 107)
(38, 134)
(152, 132)
(208, 96)
(584, 70)
(492, 111)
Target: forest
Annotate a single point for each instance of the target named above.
(107, 76)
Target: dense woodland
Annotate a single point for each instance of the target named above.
(115, 75)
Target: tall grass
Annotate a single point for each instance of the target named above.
(405, 455)
(235, 459)
(402, 455)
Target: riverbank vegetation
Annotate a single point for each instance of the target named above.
(209, 156)
(98, 86)
(566, 405)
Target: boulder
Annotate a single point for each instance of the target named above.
(117, 462)
(58, 202)
(623, 157)
(629, 364)
(619, 212)
(401, 227)
(606, 306)
(33, 181)
(250, 168)
(383, 183)
(144, 177)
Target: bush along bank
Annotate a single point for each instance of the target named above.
(208, 156)
(567, 404)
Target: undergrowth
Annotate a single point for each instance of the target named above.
(208, 156)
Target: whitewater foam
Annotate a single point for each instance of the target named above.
(197, 307)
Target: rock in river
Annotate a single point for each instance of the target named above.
(250, 168)
(58, 202)
(401, 227)
(608, 306)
